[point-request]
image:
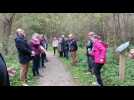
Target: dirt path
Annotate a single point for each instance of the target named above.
(55, 74)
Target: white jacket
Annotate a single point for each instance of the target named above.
(55, 43)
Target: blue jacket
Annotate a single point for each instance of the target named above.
(4, 77)
(24, 49)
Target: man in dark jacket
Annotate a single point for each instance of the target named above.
(73, 49)
(89, 46)
(66, 48)
(25, 53)
(63, 45)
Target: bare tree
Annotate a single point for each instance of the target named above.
(7, 21)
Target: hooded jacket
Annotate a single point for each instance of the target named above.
(99, 51)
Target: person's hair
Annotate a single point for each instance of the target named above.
(91, 33)
(35, 35)
(97, 36)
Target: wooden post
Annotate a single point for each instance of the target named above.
(122, 67)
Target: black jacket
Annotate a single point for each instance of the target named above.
(24, 49)
(66, 45)
(89, 46)
(73, 45)
(4, 77)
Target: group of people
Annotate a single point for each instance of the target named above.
(66, 46)
(34, 50)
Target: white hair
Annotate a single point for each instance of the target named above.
(19, 30)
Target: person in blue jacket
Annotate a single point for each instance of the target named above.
(24, 54)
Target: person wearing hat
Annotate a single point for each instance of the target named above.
(73, 49)
(89, 46)
(24, 54)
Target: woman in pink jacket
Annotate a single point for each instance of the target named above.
(99, 55)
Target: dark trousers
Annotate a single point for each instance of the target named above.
(54, 48)
(43, 58)
(36, 65)
(97, 72)
(90, 62)
(66, 54)
(4, 78)
(60, 53)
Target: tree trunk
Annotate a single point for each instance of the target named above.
(7, 28)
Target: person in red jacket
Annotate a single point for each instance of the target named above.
(98, 53)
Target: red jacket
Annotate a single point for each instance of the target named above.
(99, 51)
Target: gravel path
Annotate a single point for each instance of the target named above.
(55, 73)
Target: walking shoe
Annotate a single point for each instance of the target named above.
(24, 84)
(96, 84)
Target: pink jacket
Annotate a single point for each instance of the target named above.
(99, 51)
(35, 45)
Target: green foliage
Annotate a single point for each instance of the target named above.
(15, 81)
(110, 71)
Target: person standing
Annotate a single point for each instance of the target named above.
(55, 44)
(89, 47)
(63, 45)
(73, 49)
(66, 48)
(99, 55)
(46, 42)
(35, 45)
(60, 48)
(24, 52)
(43, 54)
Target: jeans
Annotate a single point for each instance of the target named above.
(36, 65)
(97, 72)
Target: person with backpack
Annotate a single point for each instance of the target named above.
(24, 53)
(73, 49)
(89, 47)
(98, 53)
